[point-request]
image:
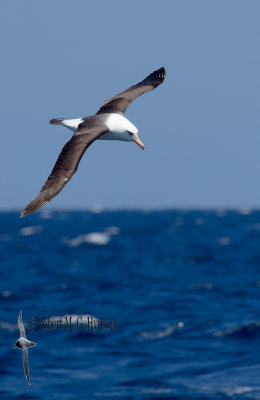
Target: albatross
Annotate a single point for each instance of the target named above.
(108, 123)
(23, 344)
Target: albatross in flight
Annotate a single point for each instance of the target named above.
(108, 123)
(23, 344)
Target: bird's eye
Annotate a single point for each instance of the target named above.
(130, 133)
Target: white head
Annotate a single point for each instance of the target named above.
(120, 128)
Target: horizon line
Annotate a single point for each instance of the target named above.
(100, 208)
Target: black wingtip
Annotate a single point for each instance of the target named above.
(35, 205)
(159, 73)
(157, 76)
(163, 72)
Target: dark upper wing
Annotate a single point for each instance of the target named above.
(120, 102)
(25, 363)
(65, 166)
(21, 326)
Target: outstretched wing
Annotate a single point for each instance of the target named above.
(65, 166)
(120, 102)
(26, 364)
(21, 326)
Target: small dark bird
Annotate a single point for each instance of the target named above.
(108, 123)
(23, 344)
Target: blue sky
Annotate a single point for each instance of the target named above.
(201, 127)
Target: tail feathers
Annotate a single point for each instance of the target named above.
(57, 121)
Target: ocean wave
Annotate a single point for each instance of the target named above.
(248, 330)
(245, 211)
(6, 326)
(112, 230)
(203, 286)
(46, 213)
(162, 333)
(224, 241)
(239, 390)
(96, 209)
(93, 238)
(97, 238)
(7, 293)
(31, 230)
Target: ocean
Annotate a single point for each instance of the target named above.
(131, 304)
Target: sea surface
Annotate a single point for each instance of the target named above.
(159, 304)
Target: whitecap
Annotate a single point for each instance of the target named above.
(31, 230)
(112, 230)
(97, 238)
(251, 328)
(245, 211)
(96, 209)
(238, 390)
(7, 326)
(224, 241)
(7, 293)
(46, 214)
(161, 333)
(73, 242)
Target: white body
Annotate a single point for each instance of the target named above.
(118, 127)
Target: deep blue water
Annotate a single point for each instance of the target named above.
(183, 288)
